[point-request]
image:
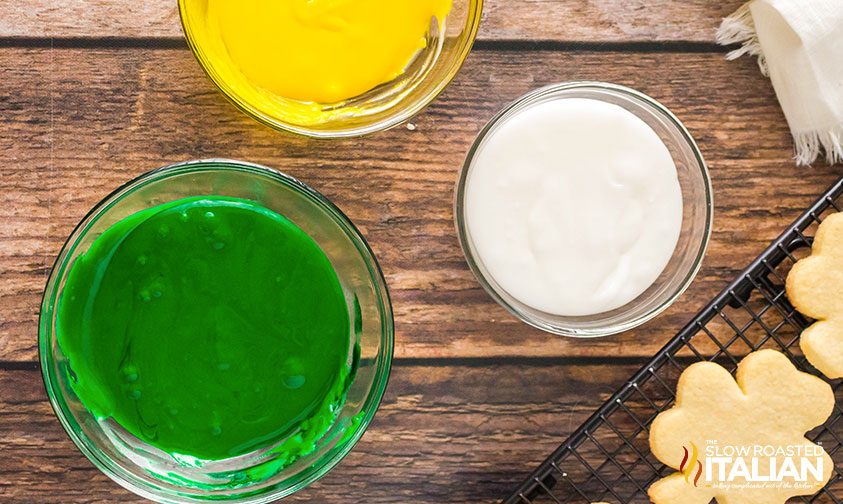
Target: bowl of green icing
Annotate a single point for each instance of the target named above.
(215, 330)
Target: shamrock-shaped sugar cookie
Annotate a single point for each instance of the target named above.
(815, 288)
(742, 440)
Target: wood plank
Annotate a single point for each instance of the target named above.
(558, 20)
(117, 113)
(443, 434)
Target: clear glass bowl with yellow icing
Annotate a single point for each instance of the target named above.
(331, 68)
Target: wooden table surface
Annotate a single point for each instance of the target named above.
(94, 92)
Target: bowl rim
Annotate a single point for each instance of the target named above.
(374, 398)
(473, 261)
(398, 116)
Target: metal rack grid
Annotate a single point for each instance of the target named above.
(608, 458)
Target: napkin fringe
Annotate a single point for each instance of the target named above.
(809, 145)
(739, 28)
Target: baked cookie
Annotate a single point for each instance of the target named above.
(815, 288)
(756, 418)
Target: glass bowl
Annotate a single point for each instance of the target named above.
(387, 105)
(697, 206)
(256, 477)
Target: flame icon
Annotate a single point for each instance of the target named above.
(689, 461)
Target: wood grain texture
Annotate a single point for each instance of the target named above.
(558, 20)
(446, 431)
(76, 123)
(476, 399)
(443, 434)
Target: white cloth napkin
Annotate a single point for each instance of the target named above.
(799, 44)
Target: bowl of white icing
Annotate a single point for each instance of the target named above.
(584, 208)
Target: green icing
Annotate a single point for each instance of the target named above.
(208, 327)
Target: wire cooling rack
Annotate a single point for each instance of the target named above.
(608, 458)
